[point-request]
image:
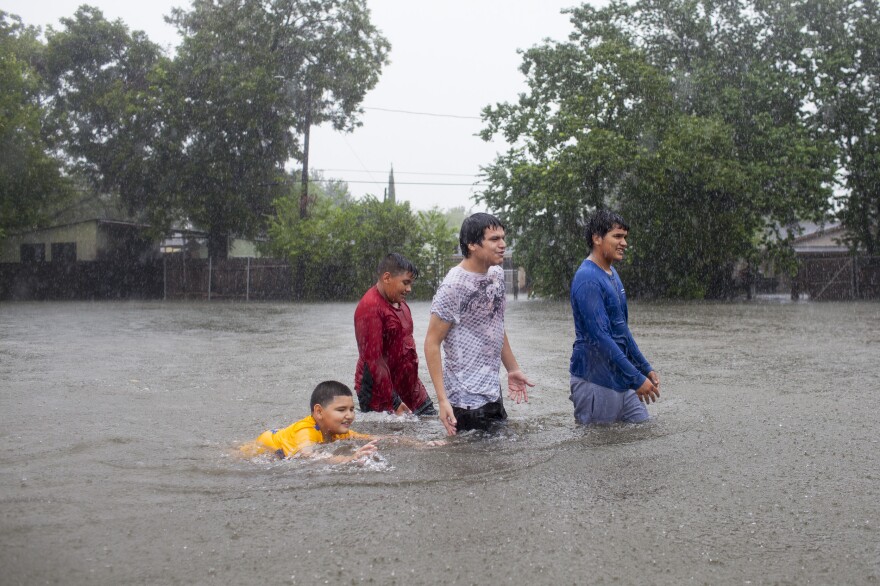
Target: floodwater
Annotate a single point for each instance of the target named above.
(119, 422)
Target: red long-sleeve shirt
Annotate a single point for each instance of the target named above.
(388, 362)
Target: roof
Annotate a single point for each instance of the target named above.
(821, 238)
(68, 224)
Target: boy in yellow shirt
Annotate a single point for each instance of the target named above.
(332, 414)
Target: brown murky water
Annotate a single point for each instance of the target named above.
(117, 420)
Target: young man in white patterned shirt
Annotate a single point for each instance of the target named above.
(467, 318)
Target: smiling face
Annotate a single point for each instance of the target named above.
(610, 248)
(395, 288)
(490, 251)
(336, 417)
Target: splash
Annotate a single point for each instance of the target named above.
(375, 417)
(320, 460)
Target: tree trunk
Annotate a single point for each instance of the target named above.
(218, 246)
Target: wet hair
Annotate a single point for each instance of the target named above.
(396, 264)
(473, 229)
(601, 222)
(326, 391)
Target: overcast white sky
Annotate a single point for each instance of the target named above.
(450, 57)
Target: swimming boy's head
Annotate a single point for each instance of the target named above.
(332, 407)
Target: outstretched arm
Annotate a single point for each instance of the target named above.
(411, 441)
(363, 452)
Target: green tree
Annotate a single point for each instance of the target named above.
(31, 182)
(441, 242)
(845, 51)
(247, 73)
(340, 245)
(682, 114)
(103, 88)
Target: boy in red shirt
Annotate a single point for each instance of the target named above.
(387, 375)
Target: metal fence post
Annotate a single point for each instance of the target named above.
(247, 290)
(210, 271)
(164, 277)
(853, 283)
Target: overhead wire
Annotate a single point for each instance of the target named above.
(419, 183)
(396, 172)
(424, 183)
(414, 113)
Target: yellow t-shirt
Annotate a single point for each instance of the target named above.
(289, 441)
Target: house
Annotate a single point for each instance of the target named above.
(828, 269)
(821, 239)
(195, 244)
(112, 259)
(88, 259)
(87, 240)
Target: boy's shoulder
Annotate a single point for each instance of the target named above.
(309, 425)
(307, 422)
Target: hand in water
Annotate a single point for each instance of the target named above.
(516, 386)
(366, 450)
(447, 417)
(648, 392)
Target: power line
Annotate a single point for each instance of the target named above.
(351, 148)
(396, 172)
(420, 183)
(423, 113)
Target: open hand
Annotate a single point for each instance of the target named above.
(517, 384)
(648, 392)
(366, 450)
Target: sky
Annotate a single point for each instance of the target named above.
(449, 59)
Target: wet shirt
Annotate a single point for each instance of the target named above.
(387, 361)
(604, 351)
(474, 304)
(289, 441)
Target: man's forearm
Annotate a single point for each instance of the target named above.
(507, 357)
(435, 368)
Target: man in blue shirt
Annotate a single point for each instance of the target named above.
(610, 379)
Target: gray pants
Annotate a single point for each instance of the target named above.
(597, 404)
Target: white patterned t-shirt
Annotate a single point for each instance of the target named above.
(474, 304)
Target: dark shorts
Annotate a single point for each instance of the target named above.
(365, 398)
(486, 417)
(426, 408)
(416, 398)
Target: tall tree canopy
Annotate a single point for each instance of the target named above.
(31, 181)
(204, 137)
(844, 50)
(248, 73)
(685, 115)
(103, 108)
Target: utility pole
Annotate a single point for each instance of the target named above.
(304, 196)
(307, 126)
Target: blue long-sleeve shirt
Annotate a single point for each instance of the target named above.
(604, 351)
